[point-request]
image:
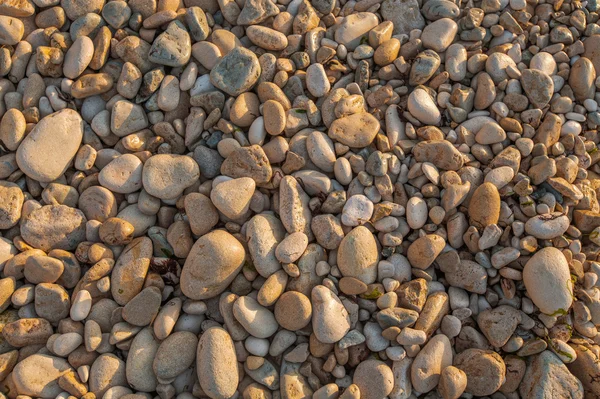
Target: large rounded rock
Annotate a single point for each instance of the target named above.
(484, 207)
(139, 362)
(548, 281)
(175, 355)
(485, 371)
(216, 364)
(429, 363)
(358, 255)
(330, 319)
(107, 371)
(54, 227)
(46, 152)
(374, 379)
(213, 262)
(165, 176)
(37, 376)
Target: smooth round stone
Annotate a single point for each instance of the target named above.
(500, 177)
(255, 318)
(116, 13)
(54, 227)
(12, 128)
(37, 375)
(165, 176)
(66, 343)
(236, 72)
(212, 264)
(544, 62)
(485, 370)
(78, 57)
(45, 153)
(316, 80)
(548, 281)
(143, 308)
(43, 269)
(357, 210)
(232, 198)
(357, 130)
(267, 38)
(330, 319)
(581, 79)
(374, 379)
(456, 60)
(484, 207)
(421, 106)
(123, 174)
(11, 30)
(138, 367)
(81, 306)
(439, 34)
(291, 248)
(435, 356)
(358, 255)
(293, 310)
(202, 214)
(547, 226)
(416, 213)
(405, 15)
(218, 379)
(175, 354)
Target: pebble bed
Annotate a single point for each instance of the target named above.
(290, 199)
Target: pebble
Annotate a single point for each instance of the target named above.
(422, 107)
(37, 375)
(358, 255)
(429, 363)
(330, 319)
(236, 72)
(215, 251)
(546, 374)
(374, 379)
(217, 379)
(45, 153)
(165, 176)
(547, 280)
(256, 319)
(485, 370)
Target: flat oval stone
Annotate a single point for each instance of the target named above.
(421, 106)
(236, 72)
(54, 227)
(374, 378)
(548, 281)
(106, 372)
(46, 152)
(358, 255)
(213, 262)
(547, 226)
(37, 375)
(256, 319)
(140, 358)
(122, 175)
(165, 176)
(357, 130)
(175, 354)
(218, 379)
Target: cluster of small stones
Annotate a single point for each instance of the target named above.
(299, 199)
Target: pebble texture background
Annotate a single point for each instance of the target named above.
(294, 199)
